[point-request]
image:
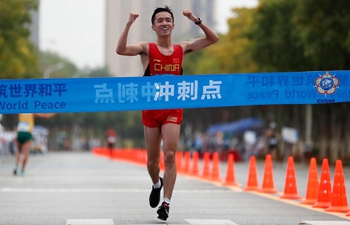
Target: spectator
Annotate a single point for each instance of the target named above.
(272, 141)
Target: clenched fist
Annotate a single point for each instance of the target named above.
(188, 13)
(132, 17)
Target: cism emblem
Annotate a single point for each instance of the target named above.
(326, 84)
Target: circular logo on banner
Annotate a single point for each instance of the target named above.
(326, 84)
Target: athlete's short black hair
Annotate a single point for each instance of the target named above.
(162, 9)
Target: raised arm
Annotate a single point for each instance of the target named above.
(199, 43)
(122, 47)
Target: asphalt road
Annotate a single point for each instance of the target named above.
(78, 188)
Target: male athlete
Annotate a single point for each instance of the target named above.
(163, 57)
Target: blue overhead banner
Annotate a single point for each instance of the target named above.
(164, 92)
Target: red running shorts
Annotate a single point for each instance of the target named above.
(157, 118)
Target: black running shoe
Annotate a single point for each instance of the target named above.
(154, 197)
(15, 172)
(163, 211)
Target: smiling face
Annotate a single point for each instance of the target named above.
(163, 23)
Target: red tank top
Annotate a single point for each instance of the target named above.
(164, 64)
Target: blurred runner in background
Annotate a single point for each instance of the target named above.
(24, 138)
(111, 136)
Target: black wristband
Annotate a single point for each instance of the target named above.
(199, 21)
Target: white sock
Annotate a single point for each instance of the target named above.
(166, 200)
(157, 185)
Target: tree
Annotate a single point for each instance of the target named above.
(281, 36)
(231, 54)
(292, 35)
(324, 32)
(48, 59)
(234, 50)
(275, 42)
(18, 57)
(99, 72)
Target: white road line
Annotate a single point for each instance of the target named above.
(324, 223)
(210, 222)
(189, 221)
(74, 178)
(104, 190)
(90, 222)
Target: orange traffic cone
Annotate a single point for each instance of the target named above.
(215, 173)
(186, 167)
(161, 161)
(339, 202)
(179, 156)
(252, 183)
(268, 184)
(290, 187)
(206, 165)
(195, 164)
(230, 172)
(324, 188)
(312, 184)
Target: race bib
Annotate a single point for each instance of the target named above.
(23, 126)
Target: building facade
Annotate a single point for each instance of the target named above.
(34, 28)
